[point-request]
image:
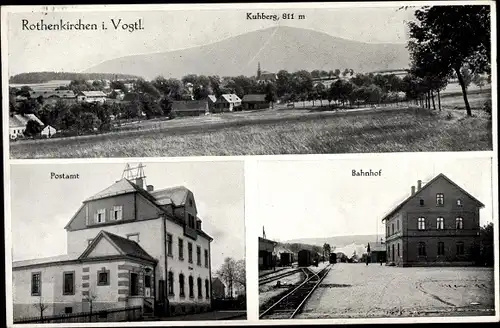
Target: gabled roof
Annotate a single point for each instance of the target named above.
(124, 246)
(120, 187)
(212, 98)
(268, 241)
(19, 120)
(254, 97)
(64, 94)
(93, 93)
(440, 175)
(230, 98)
(44, 260)
(174, 195)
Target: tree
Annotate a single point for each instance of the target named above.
(240, 277)
(326, 250)
(87, 122)
(271, 94)
(227, 273)
(479, 81)
(143, 86)
(28, 106)
(486, 246)
(33, 128)
(41, 306)
(446, 38)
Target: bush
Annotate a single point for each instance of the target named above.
(487, 107)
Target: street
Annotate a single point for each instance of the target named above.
(358, 291)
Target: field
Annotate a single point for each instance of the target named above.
(298, 131)
(360, 291)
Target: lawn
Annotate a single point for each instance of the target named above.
(277, 132)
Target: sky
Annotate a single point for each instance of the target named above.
(323, 199)
(165, 30)
(41, 207)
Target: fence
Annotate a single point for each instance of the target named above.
(229, 304)
(110, 315)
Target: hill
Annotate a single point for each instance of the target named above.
(43, 77)
(337, 241)
(275, 48)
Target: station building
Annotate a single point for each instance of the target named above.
(128, 245)
(437, 225)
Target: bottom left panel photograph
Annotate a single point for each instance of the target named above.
(110, 242)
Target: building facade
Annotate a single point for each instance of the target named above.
(438, 224)
(266, 253)
(227, 103)
(149, 243)
(91, 97)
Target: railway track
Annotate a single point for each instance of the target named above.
(266, 280)
(292, 303)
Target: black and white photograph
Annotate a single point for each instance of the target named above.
(128, 242)
(248, 79)
(378, 238)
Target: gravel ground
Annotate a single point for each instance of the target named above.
(357, 291)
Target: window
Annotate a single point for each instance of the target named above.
(439, 199)
(169, 244)
(388, 231)
(397, 225)
(198, 225)
(440, 248)
(190, 252)
(398, 250)
(147, 281)
(191, 221)
(181, 249)
(207, 293)
(103, 277)
(69, 283)
(170, 283)
(421, 223)
(460, 248)
(198, 255)
(134, 284)
(181, 285)
(440, 223)
(68, 310)
(459, 203)
(200, 292)
(100, 216)
(36, 278)
(117, 213)
(206, 258)
(134, 237)
(191, 287)
(421, 202)
(190, 202)
(459, 223)
(392, 227)
(421, 249)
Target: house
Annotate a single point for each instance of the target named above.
(227, 103)
(378, 252)
(53, 96)
(266, 253)
(218, 288)
(438, 224)
(127, 245)
(91, 97)
(211, 102)
(48, 131)
(18, 122)
(254, 101)
(190, 107)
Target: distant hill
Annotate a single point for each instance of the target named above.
(275, 48)
(42, 77)
(337, 241)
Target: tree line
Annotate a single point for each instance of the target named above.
(43, 77)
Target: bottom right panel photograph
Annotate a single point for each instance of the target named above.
(376, 238)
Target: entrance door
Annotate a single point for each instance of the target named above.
(392, 253)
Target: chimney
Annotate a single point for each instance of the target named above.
(419, 185)
(139, 182)
(412, 190)
(150, 187)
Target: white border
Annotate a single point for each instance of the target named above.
(252, 231)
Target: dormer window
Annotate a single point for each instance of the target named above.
(117, 213)
(439, 199)
(421, 202)
(100, 216)
(459, 203)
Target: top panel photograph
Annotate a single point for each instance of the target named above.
(267, 79)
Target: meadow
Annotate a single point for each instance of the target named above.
(276, 132)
